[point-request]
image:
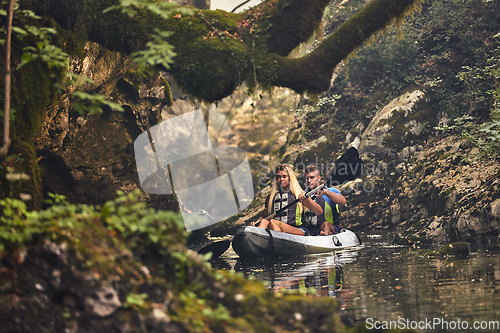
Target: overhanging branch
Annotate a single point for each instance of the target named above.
(312, 73)
(210, 66)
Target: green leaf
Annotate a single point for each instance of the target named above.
(30, 14)
(19, 31)
(159, 51)
(154, 238)
(25, 58)
(92, 103)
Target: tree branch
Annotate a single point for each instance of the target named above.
(312, 73)
(294, 23)
(241, 4)
(214, 59)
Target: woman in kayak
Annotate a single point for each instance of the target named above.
(285, 190)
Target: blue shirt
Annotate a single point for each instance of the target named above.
(327, 199)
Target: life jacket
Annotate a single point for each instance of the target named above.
(332, 215)
(292, 214)
(313, 221)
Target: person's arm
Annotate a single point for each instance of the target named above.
(311, 204)
(264, 213)
(335, 197)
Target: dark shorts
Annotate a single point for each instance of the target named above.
(312, 232)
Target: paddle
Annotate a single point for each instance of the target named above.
(217, 248)
(348, 167)
(307, 195)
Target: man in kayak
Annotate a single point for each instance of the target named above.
(326, 223)
(285, 190)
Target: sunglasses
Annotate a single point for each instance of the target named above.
(281, 176)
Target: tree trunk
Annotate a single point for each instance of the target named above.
(6, 121)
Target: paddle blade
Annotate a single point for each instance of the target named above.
(217, 248)
(350, 155)
(348, 167)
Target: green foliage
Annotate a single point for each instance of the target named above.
(66, 313)
(92, 103)
(140, 227)
(221, 313)
(198, 298)
(491, 132)
(12, 114)
(137, 301)
(40, 47)
(52, 55)
(85, 102)
(330, 100)
(16, 226)
(483, 86)
(163, 9)
(435, 45)
(56, 199)
(199, 309)
(158, 51)
(13, 159)
(464, 125)
(491, 128)
(18, 14)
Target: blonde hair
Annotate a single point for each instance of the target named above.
(294, 186)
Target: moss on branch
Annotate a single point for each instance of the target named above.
(290, 22)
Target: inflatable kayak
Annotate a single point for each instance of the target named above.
(253, 242)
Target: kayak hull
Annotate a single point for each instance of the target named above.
(253, 242)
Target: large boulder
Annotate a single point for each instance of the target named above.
(444, 193)
(396, 128)
(88, 157)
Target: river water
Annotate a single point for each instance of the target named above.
(381, 284)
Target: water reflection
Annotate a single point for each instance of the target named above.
(386, 283)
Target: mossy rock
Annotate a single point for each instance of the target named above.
(89, 247)
(458, 249)
(413, 241)
(403, 122)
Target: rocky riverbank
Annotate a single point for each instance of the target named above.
(430, 189)
(443, 192)
(125, 268)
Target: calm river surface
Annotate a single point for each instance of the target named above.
(382, 282)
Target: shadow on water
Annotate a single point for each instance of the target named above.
(391, 285)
